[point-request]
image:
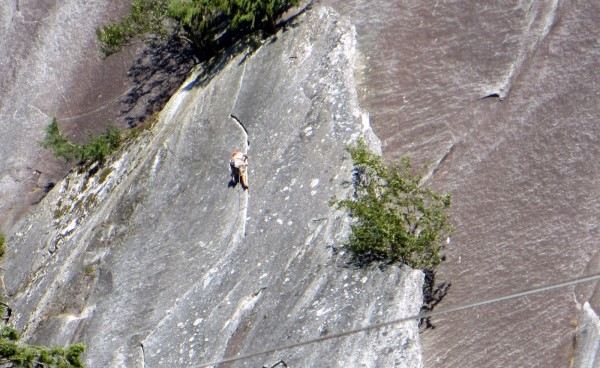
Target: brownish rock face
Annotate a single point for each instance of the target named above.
(501, 99)
(52, 66)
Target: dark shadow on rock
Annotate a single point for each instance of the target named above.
(432, 295)
(48, 187)
(290, 22)
(349, 260)
(234, 42)
(229, 45)
(158, 72)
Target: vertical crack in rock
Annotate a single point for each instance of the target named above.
(244, 208)
(532, 38)
(239, 88)
(439, 163)
(143, 355)
(220, 299)
(243, 128)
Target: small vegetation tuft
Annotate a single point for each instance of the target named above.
(145, 17)
(396, 219)
(98, 149)
(25, 355)
(2, 248)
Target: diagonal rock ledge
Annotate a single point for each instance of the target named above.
(156, 261)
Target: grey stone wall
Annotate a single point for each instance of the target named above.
(156, 260)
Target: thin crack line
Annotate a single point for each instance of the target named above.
(243, 128)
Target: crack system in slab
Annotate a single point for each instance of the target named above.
(243, 128)
(143, 355)
(532, 38)
(244, 209)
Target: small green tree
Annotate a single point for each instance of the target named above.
(98, 148)
(253, 13)
(196, 18)
(2, 248)
(60, 145)
(26, 355)
(200, 20)
(396, 219)
(101, 146)
(144, 17)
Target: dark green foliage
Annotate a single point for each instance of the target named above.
(253, 13)
(73, 354)
(61, 147)
(395, 218)
(200, 20)
(2, 248)
(145, 17)
(8, 333)
(25, 355)
(98, 148)
(101, 146)
(196, 18)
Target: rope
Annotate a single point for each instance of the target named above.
(519, 294)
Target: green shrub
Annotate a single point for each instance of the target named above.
(25, 355)
(60, 145)
(98, 148)
(255, 13)
(396, 219)
(8, 333)
(145, 17)
(2, 248)
(101, 146)
(199, 21)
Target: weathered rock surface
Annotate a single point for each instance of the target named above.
(43, 45)
(522, 165)
(155, 260)
(588, 339)
(51, 66)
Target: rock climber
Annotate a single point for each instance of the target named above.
(238, 165)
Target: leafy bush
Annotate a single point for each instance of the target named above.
(197, 19)
(145, 16)
(8, 333)
(59, 144)
(101, 146)
(25, 355)
(395, 218)
(244, 13)
(98, 148)
(200, 20)
(2, 248)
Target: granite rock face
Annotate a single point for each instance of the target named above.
(51, 66)
(588, 339)
(157, 260)
(43, 45)
(501, 98)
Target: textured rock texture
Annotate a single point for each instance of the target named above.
(588, 338)
(522, 167)
(155, 260)
(44, 43)
(51, 66)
